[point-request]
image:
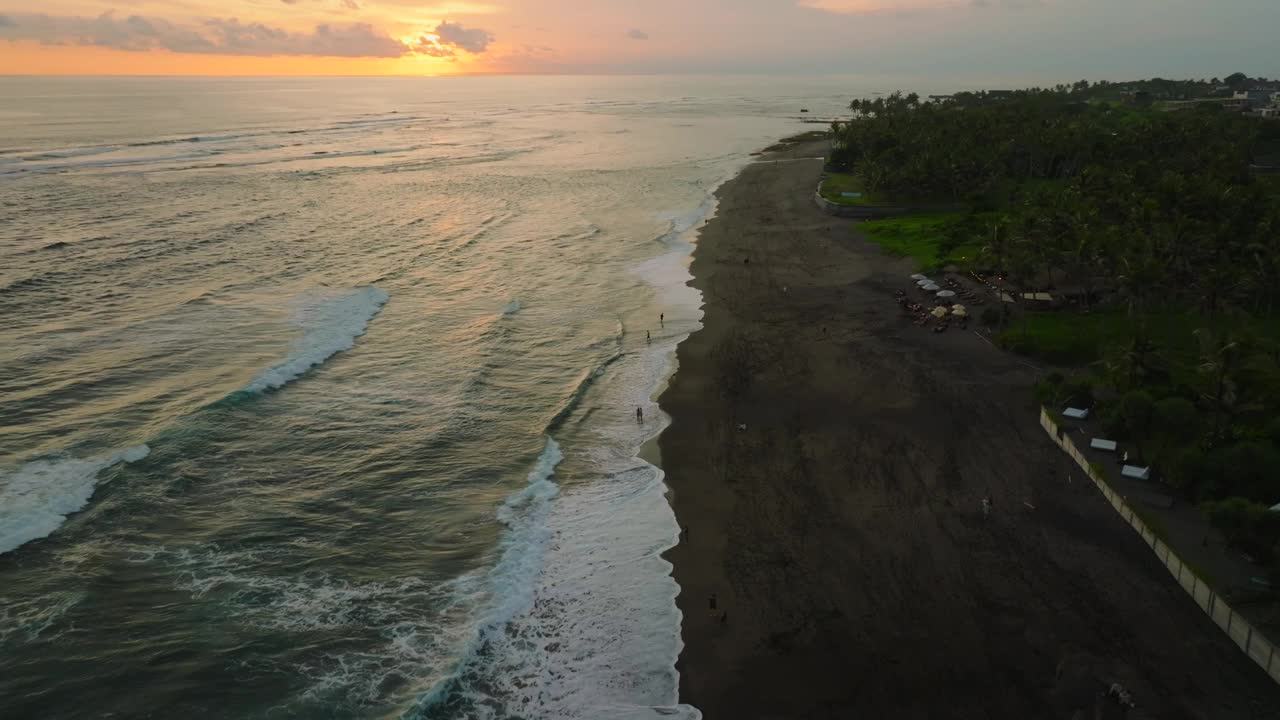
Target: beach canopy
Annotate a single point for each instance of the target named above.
(924, 281)
(959, 311)
(939, 312)
(931, 287)
(958, 306)
(1139, 473)
(1100, 444)
(946, 294)
(1076, 413)
(918, 276)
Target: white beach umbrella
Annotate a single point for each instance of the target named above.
(931, 287)
(959, 311)
(946, 294)
(939, 312)
(924, 281)
(918, 276)
(957, 306)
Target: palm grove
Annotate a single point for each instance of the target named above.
(1161, 226)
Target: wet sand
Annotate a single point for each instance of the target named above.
(842, 532)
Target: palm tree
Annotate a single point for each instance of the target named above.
(1219, 355)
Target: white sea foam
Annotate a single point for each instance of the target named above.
(422, 624)
(37, 498)
(329, 327)
(478, 687)
(37, 618)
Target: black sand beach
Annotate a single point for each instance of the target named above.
(842, 532)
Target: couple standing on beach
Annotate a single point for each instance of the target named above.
(662, 321)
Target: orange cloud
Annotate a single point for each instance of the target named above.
(31, 58)
(40, 43)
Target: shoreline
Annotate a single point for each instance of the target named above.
(841, 533)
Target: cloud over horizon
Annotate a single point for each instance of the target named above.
(230, 36)
(472, 40)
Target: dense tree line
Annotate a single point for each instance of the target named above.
(1158, 218)
(1162, 204)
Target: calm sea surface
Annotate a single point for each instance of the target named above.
(317, 397)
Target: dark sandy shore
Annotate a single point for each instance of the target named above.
(842, 531)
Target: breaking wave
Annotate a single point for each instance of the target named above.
(37, 498)
(512, 583)
(328, 328)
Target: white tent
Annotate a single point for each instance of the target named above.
(1138, 473)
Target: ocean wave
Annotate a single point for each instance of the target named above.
(70, 153)
(580, 391)
(422, 624)
(581, 622)
(329, 327)
(29, 620)
(36, 499)
(512, 583)
(193, 139)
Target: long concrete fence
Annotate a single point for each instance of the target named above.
(1252, 642)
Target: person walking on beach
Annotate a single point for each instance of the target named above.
(662, 320)
(713, 606)
(639, 415)
(986, 507)
(647, 337)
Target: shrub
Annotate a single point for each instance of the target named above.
(1136, 407)
(1248, 525)
(1049, 390)
(1079, 392)
(1176, 420)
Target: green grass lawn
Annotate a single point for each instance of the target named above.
(1075, 338)
(837, 183)
(1065, 337)
(919, 237)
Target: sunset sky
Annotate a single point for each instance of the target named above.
(1032, 39)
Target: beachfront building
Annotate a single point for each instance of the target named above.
(1250, 99)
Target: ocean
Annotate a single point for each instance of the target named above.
(317, 396)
